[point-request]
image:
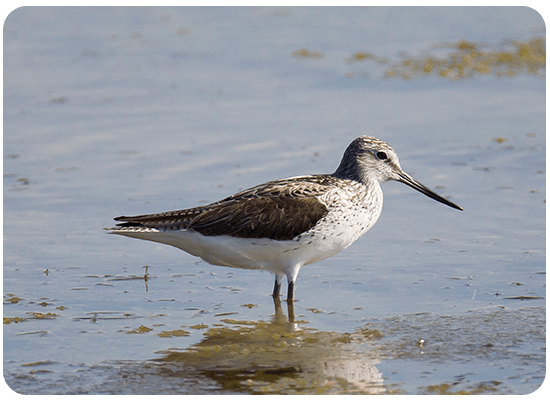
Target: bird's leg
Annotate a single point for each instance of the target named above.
(276, 288)
(290, 294)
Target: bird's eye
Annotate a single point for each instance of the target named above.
(381, 155)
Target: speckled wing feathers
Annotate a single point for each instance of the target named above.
(279, 210)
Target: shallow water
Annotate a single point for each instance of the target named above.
(140, 110)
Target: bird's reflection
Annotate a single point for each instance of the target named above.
(279, 356)
(280, 316)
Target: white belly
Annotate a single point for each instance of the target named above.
(273, 255)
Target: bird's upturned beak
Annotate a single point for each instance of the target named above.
(410, 181)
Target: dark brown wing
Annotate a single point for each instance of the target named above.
(167, 220)
(278, 218)
(278, 210)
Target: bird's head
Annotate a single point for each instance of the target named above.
(371, 160)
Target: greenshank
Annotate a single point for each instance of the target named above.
(282, 225)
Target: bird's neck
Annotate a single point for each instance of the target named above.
(348, 170)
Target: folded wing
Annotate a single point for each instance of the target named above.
(274, 210)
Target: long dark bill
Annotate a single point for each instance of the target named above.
(410, 181)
